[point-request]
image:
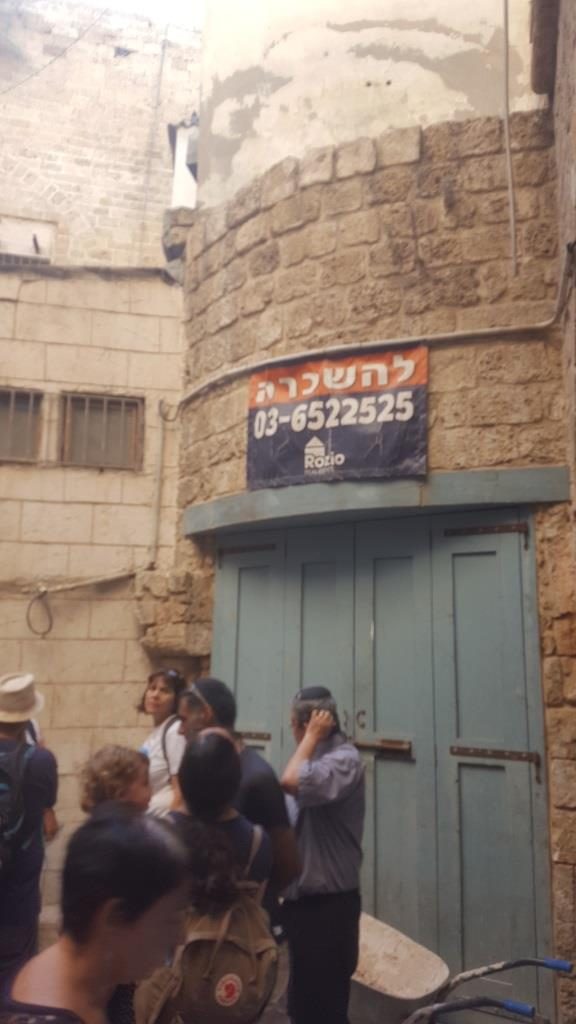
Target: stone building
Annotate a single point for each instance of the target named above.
(90, 345)
(368, 207)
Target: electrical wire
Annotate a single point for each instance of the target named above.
(507, 140)
(41, 599)
(38, 71)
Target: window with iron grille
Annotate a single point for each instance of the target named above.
(19, 424)
(103, 431)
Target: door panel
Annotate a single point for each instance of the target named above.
(485, 829)
(319, 616)
(248, 635)
(394, 701)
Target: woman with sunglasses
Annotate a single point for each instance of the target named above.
(165, 745)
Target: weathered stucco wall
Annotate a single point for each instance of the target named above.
(85, 141)
(279, 79)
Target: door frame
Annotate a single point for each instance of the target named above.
(256, 537)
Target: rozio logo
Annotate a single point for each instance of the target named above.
(316, 458)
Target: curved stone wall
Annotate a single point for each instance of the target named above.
(406, 234)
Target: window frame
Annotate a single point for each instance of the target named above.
(35, 399)
(67, 399)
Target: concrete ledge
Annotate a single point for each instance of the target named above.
(337, 501)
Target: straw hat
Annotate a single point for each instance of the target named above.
(19, 700)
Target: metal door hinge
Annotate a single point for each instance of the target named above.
(386, 748)
(530, 756)
(476, 531)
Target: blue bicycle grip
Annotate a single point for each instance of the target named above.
(558, 965)
(522, 1009)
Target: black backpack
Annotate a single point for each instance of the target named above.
(12, 811)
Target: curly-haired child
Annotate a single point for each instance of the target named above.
(115, 773)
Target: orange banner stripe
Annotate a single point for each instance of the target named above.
(349, 375)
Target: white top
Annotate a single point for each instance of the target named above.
(163, 767)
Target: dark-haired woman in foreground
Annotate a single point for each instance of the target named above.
(124, 889)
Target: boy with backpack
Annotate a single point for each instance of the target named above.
(28, 788)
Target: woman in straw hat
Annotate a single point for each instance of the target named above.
(28, 787)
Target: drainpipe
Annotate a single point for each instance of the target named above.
(544, 39)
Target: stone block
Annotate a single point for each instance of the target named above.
(222, 314)
(391, 185)
(153, 370)
(252, 232)
(53, 323)
(256, 296)
(561, 732)
(279, 182)
(10, 512)
(246, 203)
(565, 635)
(563, 783)
(342, 197)
(215, 226)
(295, 211)
(452, 369)
(126, 331)
(120, 525)
(87, 291)
(56, 523)
(569, 679)
(344, 268)
(453, 140)
(296, 282)
(69, 364)
(481, 244)
(397, 220)
(514, 362)
(495, 208)
(136, 663)
(358, 157)
(87, 560)
(531, 129)
(317, 167)
(533, 168)
(359, 228)
(171, 337)
(433, 180)
(486, 174)
(24, 361)
(113, 619)
(440, 249)
(264, 260)
(10, 286)
(71, 617)
(399, 146)
(539, 238)
(299, 319)
(553, 681)
(154, 297)
(76, 661)
(393, 256)
(370, 300)
(93, 706)
(268, 328)
(488, 406)
(38, 561)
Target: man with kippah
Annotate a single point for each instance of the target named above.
(325, 776)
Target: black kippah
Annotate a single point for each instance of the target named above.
(314, 693)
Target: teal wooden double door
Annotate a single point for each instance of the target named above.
(425, 631)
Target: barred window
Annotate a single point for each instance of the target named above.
(102, 431)
(19, 424)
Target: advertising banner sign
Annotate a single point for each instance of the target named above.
(359, 417)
